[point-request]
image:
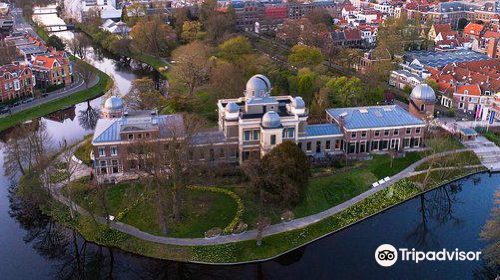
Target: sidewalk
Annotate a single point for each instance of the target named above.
(84, 170)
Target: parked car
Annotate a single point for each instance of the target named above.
(28, 100)
(16, 104)
(5, 110)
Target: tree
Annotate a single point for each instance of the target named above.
(305, 56)
(143, 95)
(93, 18)
(86, 72)
(8, 51)
(70, 168)
(285, 174)
(153, 36)
(305, 83)
(235, 48)
(216, 23)
(79, 44)
(432, 83)
(226, 80)
(56, 43)
(191, 31)
(344, 92)
(462, 23)
(191, 66)
(88, 118)
(320, 17)
(407, 89)
(290, 32)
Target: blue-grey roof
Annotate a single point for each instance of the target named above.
(436, 59)
(107, 130)
(322, 130)
(468, 131)
(374, 117)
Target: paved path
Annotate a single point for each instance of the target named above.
(251, 234)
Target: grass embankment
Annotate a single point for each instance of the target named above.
(458, 159)
(104, 84)
(83, 151)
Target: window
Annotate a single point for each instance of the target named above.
(165, 147)
(131, 137)
(353, 135)
(114, 164)
(417, 130)
(147, 134)
(408, 130)
(102, 152)
(422, 107)
(139, 135)
(255, 135)
(102, 168)
(308, 146)
(114, 151)
(291, 132)
(396, 132)
(375, 145)
(377, 133)
(384, 145)
(327, 145)
(337, 144)
(386, 132)
(273, 139)
(222, 153)
(363, 134)
(407, 142)
(247, 135)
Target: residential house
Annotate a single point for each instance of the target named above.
(16, 81)
(52, 70)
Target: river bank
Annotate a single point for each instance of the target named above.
(224, 250)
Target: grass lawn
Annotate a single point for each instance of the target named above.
(201, 210)
(492, 136)
(380, 165)
(459, 159)
(449, 143)
(83, 151)
(439, 177)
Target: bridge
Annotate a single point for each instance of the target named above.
(59, 27)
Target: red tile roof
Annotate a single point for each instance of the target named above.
(473, 28)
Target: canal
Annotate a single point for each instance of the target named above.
(32, 246)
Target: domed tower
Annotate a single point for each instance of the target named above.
(232, 111)
(113, 108)
(272, 132)
(257, 87)
(422, 100)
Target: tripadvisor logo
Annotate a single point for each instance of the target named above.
(387, 255)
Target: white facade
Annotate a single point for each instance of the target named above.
(77, 9)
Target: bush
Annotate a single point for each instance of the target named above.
(83, 152)
(61, 165)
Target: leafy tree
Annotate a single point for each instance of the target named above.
(191, 66)
(143, 95)
(93, 18)
(235, 48)
(79, 44)
(56, 43)
(305, 56)
(191, 31)
(344, 92)
(305, 86)
(462, 23)
(153, 36)
(285, 174)
(407, 89)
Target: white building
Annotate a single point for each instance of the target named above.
(77, 9)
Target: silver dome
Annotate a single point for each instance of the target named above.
(258, 86)
(298, 103)
(232, 107)
(113, 103)
(271, 120)
(423, 92)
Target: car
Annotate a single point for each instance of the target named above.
(5, 110)
(16, 104)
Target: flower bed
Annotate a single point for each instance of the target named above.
(239, 212)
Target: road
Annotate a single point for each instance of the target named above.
(20, 24)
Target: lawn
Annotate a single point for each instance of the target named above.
(458, 159)
(492, 136)
(83, 151)
(201, 210)
(380, 165)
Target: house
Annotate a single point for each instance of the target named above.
(437, 29)
(16, 81)
(402, 78)
(52, 70)
(77, 9)
(473, 30)
(249, 127)
(119, 27)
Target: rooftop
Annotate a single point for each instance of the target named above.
(440, 59)
(374, 117)
(322, 130)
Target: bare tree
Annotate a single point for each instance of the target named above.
(70, 168)
(86, 71)
(191, 66)
(9, 52)
(79, 44)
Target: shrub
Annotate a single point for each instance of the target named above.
(58, 176)
(61, 165)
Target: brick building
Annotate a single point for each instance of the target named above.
(16, 81)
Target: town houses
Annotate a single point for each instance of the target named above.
(251, 126)
(16, 81)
